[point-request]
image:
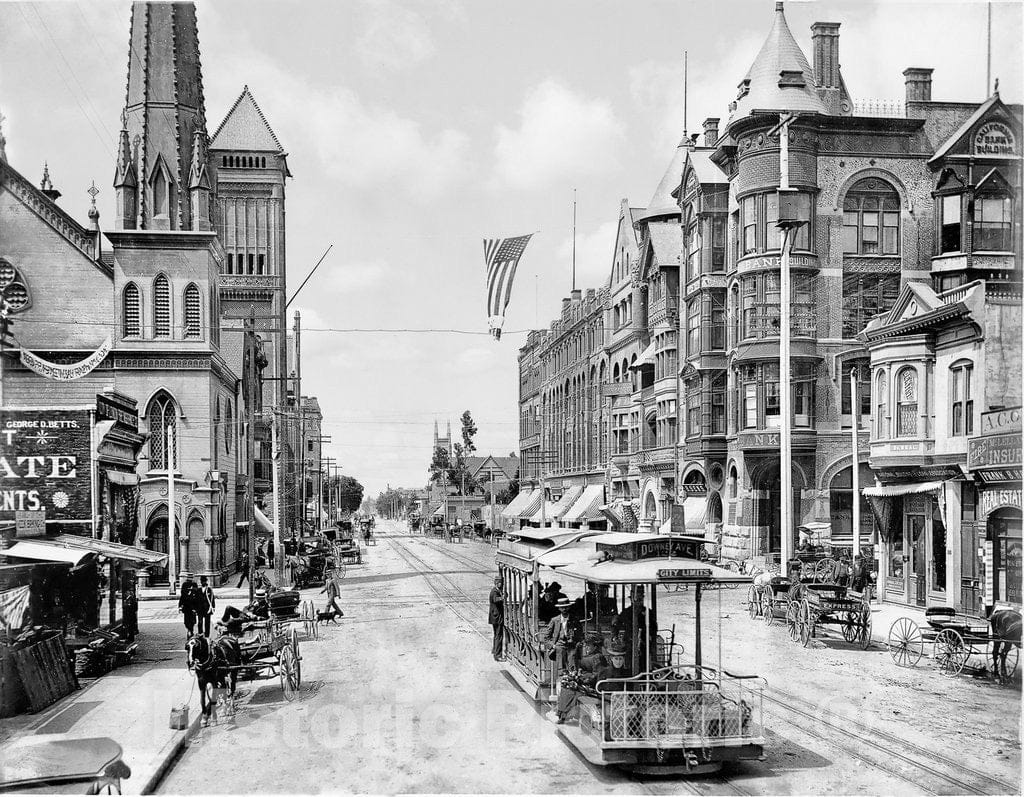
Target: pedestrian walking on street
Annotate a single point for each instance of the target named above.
(333, 604)
(187, 603)
(211, 603)
(245, 568)
(496, 617)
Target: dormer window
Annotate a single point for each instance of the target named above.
(951, 221)
(791, 78)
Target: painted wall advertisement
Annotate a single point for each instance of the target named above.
(45, 464)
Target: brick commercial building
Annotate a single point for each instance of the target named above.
(888, 196)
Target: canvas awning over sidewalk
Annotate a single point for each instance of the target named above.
(587, 506)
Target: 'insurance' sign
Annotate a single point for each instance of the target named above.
(45, 463)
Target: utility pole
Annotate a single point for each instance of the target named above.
(249, 347)
(172, 526)
(275, 456)
(301, 492)
(855, 470)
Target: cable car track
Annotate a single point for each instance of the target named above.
(891, 746)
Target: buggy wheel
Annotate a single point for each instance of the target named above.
(905, 642)
(752, 602)
(1012, 657)
(951, 653)
(793, 619)
(339, 569)
(851, 627)
(767, 607)
(288, 671)
(865, 627)
(806, 624)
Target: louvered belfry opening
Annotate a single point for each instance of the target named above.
(161, 308)
(132, 312)
(193, 317)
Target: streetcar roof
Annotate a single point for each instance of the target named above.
(659, 570)
(547, 534)
(579, 549)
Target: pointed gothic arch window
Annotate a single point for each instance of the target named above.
(161, 415)
(216, 434)
(161, 307)
(131, 311)
(193, 312)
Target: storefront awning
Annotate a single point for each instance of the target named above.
(263, 523)
(530, 507)
(695, 512)
(517, 503)
(536, 517)
(564, 504)
(45, 552)
(438, 510)
(890, 490)
(587, 507)
(124, 479)
(113, 550)
(646, 358)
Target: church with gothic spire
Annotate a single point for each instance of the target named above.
(196, 245)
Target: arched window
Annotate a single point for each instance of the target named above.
(193, 312)
(161, 200)
(161, 416)
(131, 321)
(871, 218)
(881, 406)
(732, 488)
(161, 307)
(906, 403)
(216, 434)
(263, 163)
(229, 427)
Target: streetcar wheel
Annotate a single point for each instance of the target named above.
(767, 608)
(752, 602)
(951, 653)
(851, 627)
(865, 627)
(806, 624)
(287, 670)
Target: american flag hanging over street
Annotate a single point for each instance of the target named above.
(501, 256)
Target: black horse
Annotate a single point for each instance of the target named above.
(1005, 626)
(215, 664)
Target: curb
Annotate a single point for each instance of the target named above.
(169, 754)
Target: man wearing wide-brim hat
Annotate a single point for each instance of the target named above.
(562, 634)
(187, 602)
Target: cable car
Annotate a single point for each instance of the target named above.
(664, 716)
(518, 565)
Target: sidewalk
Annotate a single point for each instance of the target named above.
(130, 705)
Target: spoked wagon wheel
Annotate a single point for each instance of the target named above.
(825, 571)
(865, 627)
(951, 653)
(752, 602)
(289, 671)
(339, 569)
(851, 627)
(1012, 657)
(806, 624)
(767, 608)
(793, 619)
(906, 644)
(307, 616)
(293, 640)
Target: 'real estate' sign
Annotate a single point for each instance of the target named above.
(45, 464)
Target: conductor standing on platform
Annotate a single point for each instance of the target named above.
(496, 617)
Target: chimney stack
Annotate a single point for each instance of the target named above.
(576, 294)
(825, 36)
(711, 131)
(565, 303)
(919, 84)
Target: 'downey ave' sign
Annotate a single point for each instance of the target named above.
(45, 464)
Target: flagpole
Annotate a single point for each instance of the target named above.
(574, 239)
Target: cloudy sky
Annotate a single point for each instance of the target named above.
(415, 129)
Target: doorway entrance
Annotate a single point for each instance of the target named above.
(767, 493)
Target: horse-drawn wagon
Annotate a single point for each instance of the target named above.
(813, 606)
(768, 597)
(955, 639)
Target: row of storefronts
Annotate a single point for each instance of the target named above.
(663, 385)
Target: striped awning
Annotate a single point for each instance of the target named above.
(564, 504)
(523, 505)
(587, 507)
(541, 516)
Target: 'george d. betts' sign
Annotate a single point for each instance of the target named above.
(45, 463)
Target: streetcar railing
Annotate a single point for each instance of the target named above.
(683, 705)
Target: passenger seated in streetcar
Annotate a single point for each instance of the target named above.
(615, 668)
(546, 606)
(573, 684)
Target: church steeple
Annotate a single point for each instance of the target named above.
(164, 110)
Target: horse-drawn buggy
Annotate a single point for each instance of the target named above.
(814, 605)
(310, 562)
(955, 639)
(768, 596)
(250, 649)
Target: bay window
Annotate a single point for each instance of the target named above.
(962, 401)
(693, 328)
(951, 219)
(881, 406)
(759, 217)
(906, 403)
(718, 405)
(993, 224)
(693, 251)
(748, 216)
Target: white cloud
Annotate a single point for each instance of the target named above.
(346, 278)
(396, 37)
(594, 252)
(561, 134)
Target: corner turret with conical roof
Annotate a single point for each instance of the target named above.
(780, 79)
(164, 109)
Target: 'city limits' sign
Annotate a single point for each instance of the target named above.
(45, 463)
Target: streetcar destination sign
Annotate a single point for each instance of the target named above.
(684, 574)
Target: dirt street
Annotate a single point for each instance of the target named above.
(401, 695)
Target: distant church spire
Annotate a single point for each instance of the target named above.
(164, 109)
